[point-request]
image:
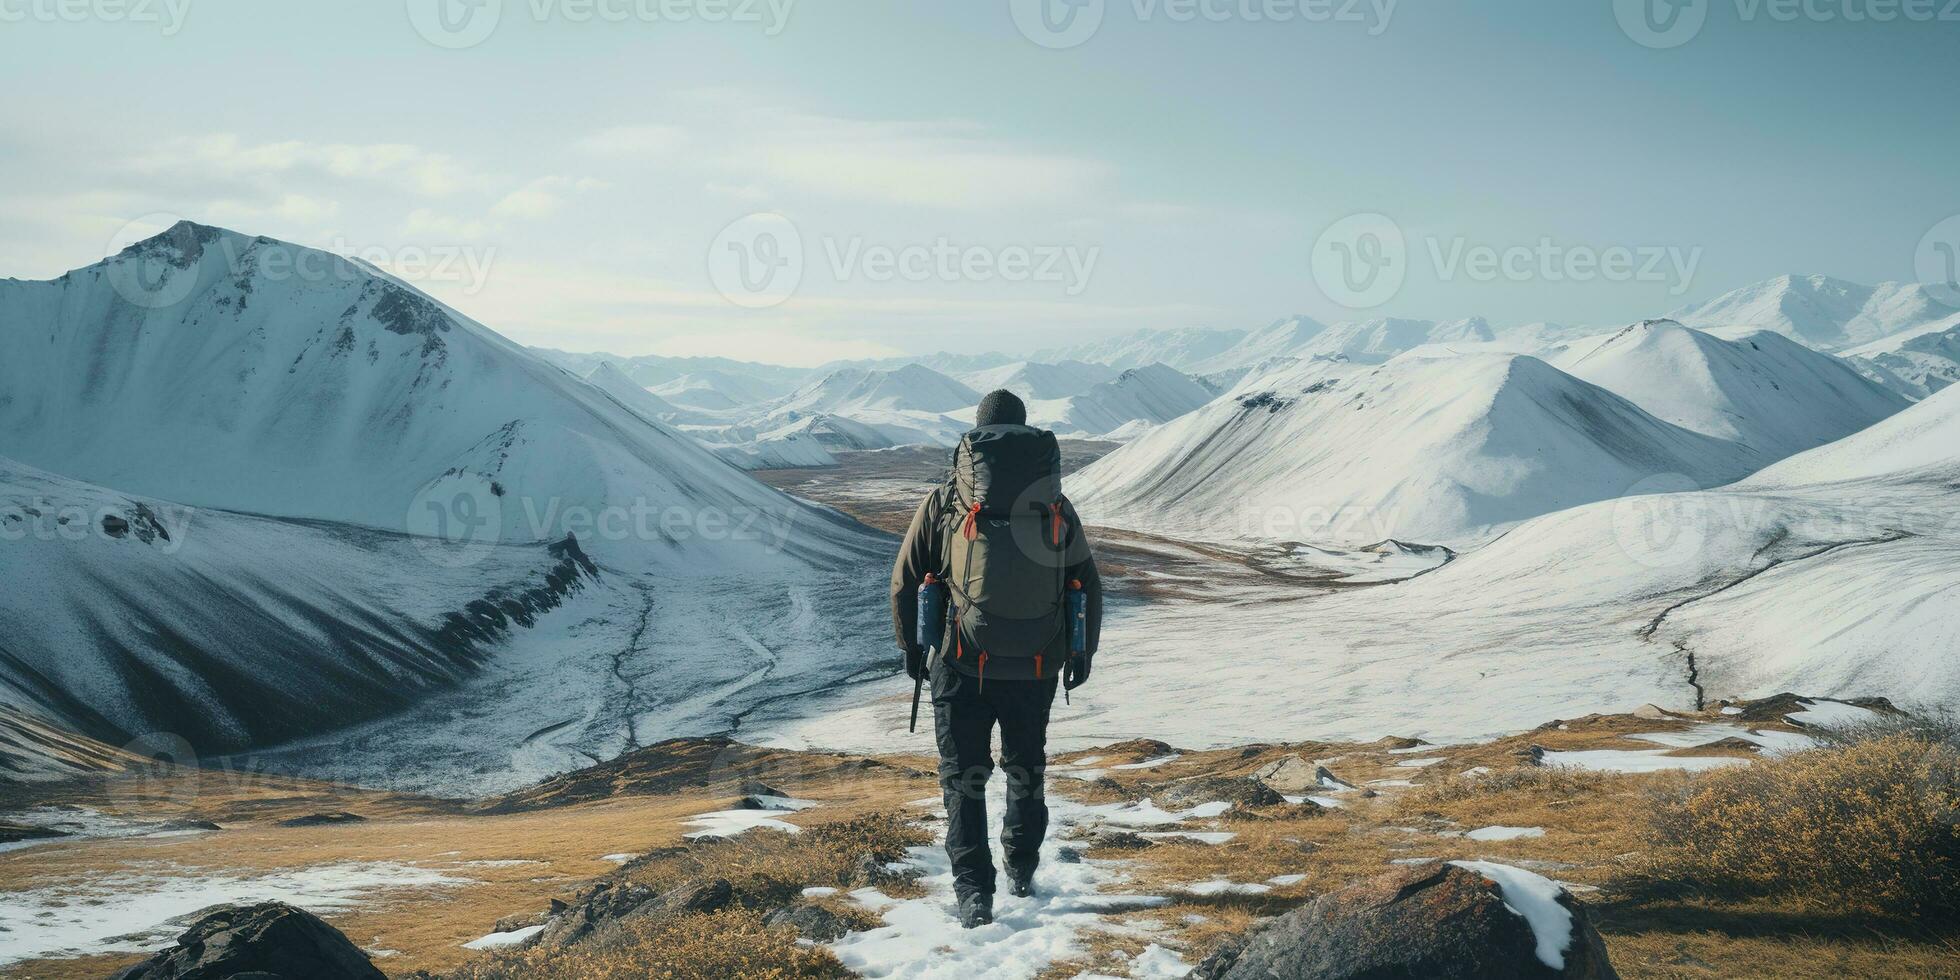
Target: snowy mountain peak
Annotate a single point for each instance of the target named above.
(220, 370)
(912, 387)
(1761, 388)
(1430, 450)
(1822, 312)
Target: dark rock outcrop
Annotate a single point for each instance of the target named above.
(1431, 922)
(11, 833)
(610, 902)
(812, 922)
(263, 942)
(1240, 791)
(323, 819)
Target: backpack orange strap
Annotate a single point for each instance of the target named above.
(972, 527)
(1055, 511)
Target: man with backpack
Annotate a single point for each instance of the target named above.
(1015, 561)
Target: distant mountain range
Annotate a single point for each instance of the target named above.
(1896, 335)
(231, 492)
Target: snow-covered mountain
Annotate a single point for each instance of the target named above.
(910, 388)
(197, 366)
(1831, 572)
(1916, 362)
(1362, 341)
(1762, 390)
(717, 390)
(650, 370)
(124, 615)
(853, 408)
(1036, 380)
(383, 497)
(1818, 311)
(791, 439)
(1433, 450)
(1179, 347)
(608, 377)
(1152, 394)
(1281, 338)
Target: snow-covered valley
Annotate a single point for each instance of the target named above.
(242, 527)
(1400, 518)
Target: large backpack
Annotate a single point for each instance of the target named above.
(1008, 545)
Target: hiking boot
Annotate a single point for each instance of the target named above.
(1021, 886)
(976, 910)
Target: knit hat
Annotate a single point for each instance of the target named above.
(1001, 407)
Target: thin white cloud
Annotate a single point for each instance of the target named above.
(641, 142)
(287, 208)
(542, 197)
(735, 142)
(407, 166)
(425, 224)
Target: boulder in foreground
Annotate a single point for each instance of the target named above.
(1469, 921)
(269, 940)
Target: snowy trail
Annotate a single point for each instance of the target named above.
(922, 940)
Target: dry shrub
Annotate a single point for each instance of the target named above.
(1873, 825)
(1537, 780)
(1940, 726)
(768, 869)
(733, 943)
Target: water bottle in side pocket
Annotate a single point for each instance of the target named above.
(1078, 618)
(932, 613)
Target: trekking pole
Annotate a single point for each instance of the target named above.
(918, 684)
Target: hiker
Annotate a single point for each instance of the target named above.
(1009, 549)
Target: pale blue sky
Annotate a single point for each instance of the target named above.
(575, 175)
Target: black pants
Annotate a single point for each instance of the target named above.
(965, 713)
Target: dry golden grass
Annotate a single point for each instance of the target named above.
(731, 943)
(1594, 825)
(563, 846)
(1872, 826)
(768, 869)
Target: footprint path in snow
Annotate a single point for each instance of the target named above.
(921, 939)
